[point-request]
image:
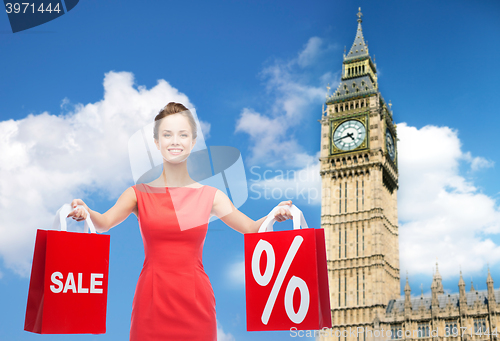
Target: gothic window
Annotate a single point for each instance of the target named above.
(423, 330)
(347, 92)
(345, 290)
(339, 289)
(353, 85)
(340, 241)
(345, 197)
(357, 240)
(345, 86)
(345, 243)
(357, 208)
(396, 332)
(451, 328)
(357, 289)
(340, 202)
(363, 240)
(366, 88)
(363, 287)
(336, 108)
(479, 326)
(363, 82)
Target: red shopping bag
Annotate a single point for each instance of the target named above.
(286, 279)
(69, 281)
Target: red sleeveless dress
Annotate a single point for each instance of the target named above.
(173, 299)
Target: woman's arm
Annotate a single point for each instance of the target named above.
(126, 204)
(224, 209)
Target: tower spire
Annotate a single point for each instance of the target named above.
(359, 48)
(359, 74)
(489, 279)
(491, 291)
(438, 281)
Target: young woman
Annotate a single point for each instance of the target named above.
(174, 299)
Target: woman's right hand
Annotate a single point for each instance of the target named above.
(78, 213)
(283, 214)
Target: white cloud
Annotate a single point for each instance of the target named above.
(236, 273)
(222, 336)
(441, 213)
(308, 55)
(477, 162)
(272, 134)
(302, 186)
(205, 129)
(47, 160)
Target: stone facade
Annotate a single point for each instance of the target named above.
(459, 316)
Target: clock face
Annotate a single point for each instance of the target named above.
(349, 135)
(389, 143)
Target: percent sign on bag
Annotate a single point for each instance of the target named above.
(286, 280)
(294, 283)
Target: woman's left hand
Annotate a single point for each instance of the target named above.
(283, 214)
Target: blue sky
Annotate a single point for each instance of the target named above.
(113, 64)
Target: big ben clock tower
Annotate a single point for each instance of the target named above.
(359, 172)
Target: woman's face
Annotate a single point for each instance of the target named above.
(175, 138)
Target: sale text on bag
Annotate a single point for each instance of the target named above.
(92, 282)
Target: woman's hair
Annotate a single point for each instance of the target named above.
(174, 108)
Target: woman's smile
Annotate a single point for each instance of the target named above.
(175, 151)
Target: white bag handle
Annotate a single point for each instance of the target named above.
(62, 214)
(298, 218)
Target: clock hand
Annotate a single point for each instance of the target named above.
(340, 138)
(343, 137)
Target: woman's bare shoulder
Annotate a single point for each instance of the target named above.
(221, 201)
(129, 194)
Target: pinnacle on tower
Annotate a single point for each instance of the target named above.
(359, 74)
(438, 281)
(461, 289)
(461, 282)
(489, 279)
(491, 289)
(407, 295)
(407, 286)
(359, 47)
